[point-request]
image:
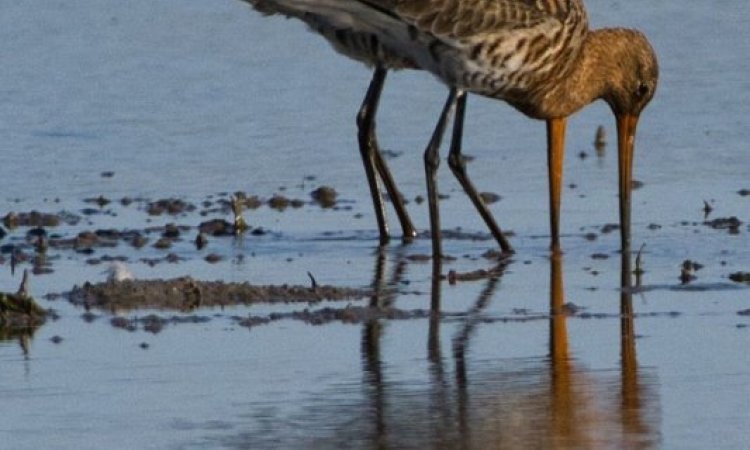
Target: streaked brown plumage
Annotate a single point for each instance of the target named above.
(537, 55)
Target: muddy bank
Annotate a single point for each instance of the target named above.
(19, 311)
(183, 294)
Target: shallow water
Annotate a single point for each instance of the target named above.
(191, 99)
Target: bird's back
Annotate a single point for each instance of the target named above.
(514, 50)
(508, 49)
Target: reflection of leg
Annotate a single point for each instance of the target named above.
(627, 331)
(431, 163)
(558, 329)
(378, 287)
(460, 345)
(373, 373)
(631, 394)
(458, 167)
(384, 291)
(441, 398)
(565, 399)
(368, 146)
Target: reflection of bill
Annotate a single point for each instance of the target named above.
(549, 402)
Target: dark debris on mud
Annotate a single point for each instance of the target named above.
(740, 277)
(350, 315)
(153, 323)
(38, 219)
(731, 224)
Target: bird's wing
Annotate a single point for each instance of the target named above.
(456, 19)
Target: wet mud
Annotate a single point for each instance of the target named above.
(39, 239)
(20, 314)
(20, 311)
(186, 294)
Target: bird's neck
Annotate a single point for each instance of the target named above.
(589, 78)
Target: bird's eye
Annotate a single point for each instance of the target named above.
(642, 89)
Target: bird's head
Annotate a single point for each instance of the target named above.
(634, 74)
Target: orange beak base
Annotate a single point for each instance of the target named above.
(626, 126)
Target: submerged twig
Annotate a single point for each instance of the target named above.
(312, 280)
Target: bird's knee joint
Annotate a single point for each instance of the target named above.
(431, 161)
(363, 118)
(456, 162)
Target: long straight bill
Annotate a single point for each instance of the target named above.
(555, 153)
(626, 126)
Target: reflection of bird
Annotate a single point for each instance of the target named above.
(365, 46)
(117, 272)
(537, 55)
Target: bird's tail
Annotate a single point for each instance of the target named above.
(362, 16)
(270, 7)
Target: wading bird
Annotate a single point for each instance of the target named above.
(367, 48)
(537, 55)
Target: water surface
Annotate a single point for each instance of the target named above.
(192, 99)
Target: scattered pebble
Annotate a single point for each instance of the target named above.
(163, 243)
(489, 197)
(216, 227)
(171, 231)
(30, 219)
(278, 202)
(123, 323)
(100, 201)
(687, 271)
(610, 227)
(325, 196)
(169, 206)
(212, 258)
(731, 224)
(740, 277)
